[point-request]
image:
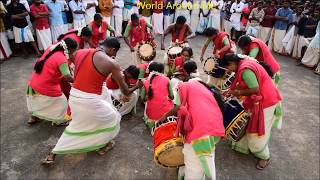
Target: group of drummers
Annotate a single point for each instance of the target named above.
(187, 116)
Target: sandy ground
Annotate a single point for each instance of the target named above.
(294, 149)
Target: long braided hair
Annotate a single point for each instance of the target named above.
(154, 67)
(70, 44)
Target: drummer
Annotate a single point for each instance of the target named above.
(257, 49)
(176, 65)
(99, 29)
(157, 92)
(125, 103)
(261, 98)
(179, 32)
(137, 33)
(222, 43)
(197, 107)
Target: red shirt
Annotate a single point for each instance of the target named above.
(48, 81)
(40, 22)
(156, 10)
(269, 22)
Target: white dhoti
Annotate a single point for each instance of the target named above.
(194, 20)
(264, 33)
(258, 145)
(122, 106)
(168, 19)
(227, 27)
(193, 168)
(214, 21)
(95, 122)
(44, 38)
(157, 23)
(5, 50)
(56, 31)
(300, 42)
(116, 23)
(203, 23)
(275, 42)
(80, 23)
(22, 34)
(127, 14)
(288, 40)
(253, 30)
(312, 56)
(53, 109)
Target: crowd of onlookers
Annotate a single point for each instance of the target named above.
(287, 26)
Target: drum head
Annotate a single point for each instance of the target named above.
(174, 50)
(172, 156)
(209, 65)
(146, 50)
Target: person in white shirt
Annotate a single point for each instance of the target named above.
(214, 18)
(116, 20)
(236, 10)
(78, 10)
(194, 20)
(90, 6)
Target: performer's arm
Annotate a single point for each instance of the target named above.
(111, 29)
(226, 46)
(254, 52)
(171, 96)
(118, 77)
(126, 35)
(204, 48)
(174, 110)
(64, 69)
(189, 30)
(143, 94)
(251, 81)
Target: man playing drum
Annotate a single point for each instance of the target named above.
(137, 32)
(179, 32)
(95, 122)
(123, 103)
(198, 106)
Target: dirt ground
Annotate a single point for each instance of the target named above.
(294, 148)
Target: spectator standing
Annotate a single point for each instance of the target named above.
(5, 51)
(21, 30)
(116, 20)
(127, 12)
(255, 17)
(78, 11)
(90, 9)
(227, 7)
(157, 17)
(55, 19)
(168, 13)
(283, 18)
(40, 14)
(106, 9)
(267, 23)
(146, 13)
(236, 10)
(215, 18)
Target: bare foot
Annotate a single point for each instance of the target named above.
(262, 164)
(106, 148)
(49, 159)
(33, 120)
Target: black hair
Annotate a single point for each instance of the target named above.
(133, 71)
(189, 50)
(216, 94)
(111, 42)
(244, 41)
(267, 68)
(157, 67)
(97, 17)
(181, 20)
(71, 44)
(134, 16)
(84, 32)
(190, 67)
(210, 31)
(229, 57)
